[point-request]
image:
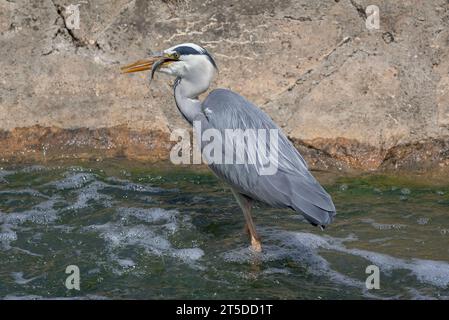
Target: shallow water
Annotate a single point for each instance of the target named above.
(169, 232)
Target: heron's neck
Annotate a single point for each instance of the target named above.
(186, 97)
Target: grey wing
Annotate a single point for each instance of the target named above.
(291, 186)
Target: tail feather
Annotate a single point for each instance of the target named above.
(315, 215)
(314, 203)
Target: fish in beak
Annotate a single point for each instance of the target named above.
(152, 63)
(140, 65)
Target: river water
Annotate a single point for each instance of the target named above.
(163, 232)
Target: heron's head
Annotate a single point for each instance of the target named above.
(185, 61)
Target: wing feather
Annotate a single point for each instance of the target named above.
(292, 186)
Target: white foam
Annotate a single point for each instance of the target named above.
(301, 247)
(149, 237)
(7, 235)
(384, 226)
(42, 213)
(305, 249)
(34, 168)
(91, 193)
(73, 180)
(150, 215)
(126, 263)
(27, 252)
(427, 271)
(276, 271)
(188, 254)
(19, 279)
(433, 272)
(27, 191)
(5, 173)
(131, 186)
(423, 220)
(387, 226)
(94, 271)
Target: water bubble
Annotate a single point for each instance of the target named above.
(423, 221)
(387, 226)
(126, 263)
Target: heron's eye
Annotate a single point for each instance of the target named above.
(176, 55)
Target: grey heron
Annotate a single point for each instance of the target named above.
(291, 186)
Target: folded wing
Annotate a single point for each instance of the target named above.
(290, 185)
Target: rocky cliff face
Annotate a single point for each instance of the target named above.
(348, 97)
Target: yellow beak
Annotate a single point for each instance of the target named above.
(141, 65)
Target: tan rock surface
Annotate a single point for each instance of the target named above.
(347, 96)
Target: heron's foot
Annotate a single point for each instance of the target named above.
(256, 244)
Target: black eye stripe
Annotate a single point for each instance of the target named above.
(186, 50)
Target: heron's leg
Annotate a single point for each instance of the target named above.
(246, 204)
(246, 229)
